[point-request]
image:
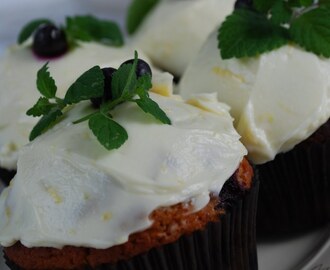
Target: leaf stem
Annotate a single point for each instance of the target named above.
(85, 118)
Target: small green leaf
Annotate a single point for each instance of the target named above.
(281, 13)
(43, 106)
(44, 123)
(29, 28)
(306, 3)
(264, 6)
(324, 4)
(90, 84)
(124, 81)
(311, 31)
(45, 83)
(143, 84)
(151, 107)
(246, 33)
(108, 132)
(136, 13)
(89, 28)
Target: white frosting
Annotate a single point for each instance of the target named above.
(277, 99)
(18, 92)
(175, 30)
(69, 190)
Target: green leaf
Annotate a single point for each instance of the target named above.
(29, 28)
(151, 107)
(108, 132)
(44, 123)
(246, 33)
(324, 4)
(90, 84)
(306, 3)
(45, 83)
(136, 13)
(264, 5)
(89, 28)
(124, 81)
(281, 13)
(43, 106)
(311, 31)
(143, 84)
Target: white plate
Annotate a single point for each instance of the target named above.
(308, 252)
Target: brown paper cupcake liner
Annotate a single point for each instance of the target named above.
(294, 192)
(229, 244)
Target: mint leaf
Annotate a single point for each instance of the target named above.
(108, 132)
(311, 30)
(89, 28)
(246, 33)
(45, 83)
(324, 4)
(124, 81)
(151, 107)
(43, 106)
(90, 84)
(281, 13)
(29, 28)
(306, 3)
(264, 6)
(136, 13)
(143, 84)
(44, 123)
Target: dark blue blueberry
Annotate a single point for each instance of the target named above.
(49, 41)
(142, 67)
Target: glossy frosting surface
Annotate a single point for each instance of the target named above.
(18, 92)
(175, 30)
(277, 99)
(69, 190)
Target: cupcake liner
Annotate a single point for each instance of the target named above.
(6, 175)
(229, 244)
(294, 192)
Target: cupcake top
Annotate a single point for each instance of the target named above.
(18, 69)
(277, 98)
(70, 190)
(174, 31)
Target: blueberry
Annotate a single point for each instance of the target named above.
(107, 94)
(49, 41)
(244, 4)
(142, 67)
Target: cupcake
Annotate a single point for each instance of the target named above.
(173, 31)
(18, 69)
(175, 193)
(280, 102)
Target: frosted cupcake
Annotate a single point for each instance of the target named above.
(67, 58)
(280, 101)
(175, 192)
(173, 31)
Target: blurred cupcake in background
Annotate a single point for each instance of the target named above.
(280, 100)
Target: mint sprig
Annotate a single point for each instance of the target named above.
(266, 25)
(29, 29)
(126, 87)
(80, 28)
(136, 13)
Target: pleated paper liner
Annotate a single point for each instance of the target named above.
(229, 244)
(294, 194)
(6, 175)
